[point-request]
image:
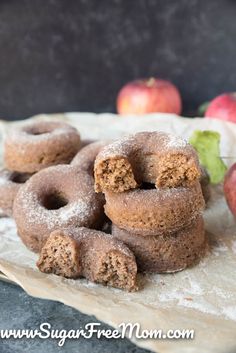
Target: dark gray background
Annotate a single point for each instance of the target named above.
(60, 55)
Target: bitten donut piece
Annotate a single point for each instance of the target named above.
(167, 252)
(154, 211)
(85, 158)
(39, 145)
(10, 183)
(152, 157)
(83, 252)
(59, 196)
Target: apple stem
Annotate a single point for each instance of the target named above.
(150, 82)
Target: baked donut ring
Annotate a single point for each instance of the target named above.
(56, 197)
(39, 145)
(10, 183)
(167, 252)
(85, 158)
(154, 211)
(82, 252)
(152, 157)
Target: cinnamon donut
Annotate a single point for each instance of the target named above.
(56, 197)
(154, 211)
(85, 158)
(153, 157)
(82, 252)
(39, 145)
(10, 183)
(167, 252)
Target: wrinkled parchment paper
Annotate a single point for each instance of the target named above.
(201, 298)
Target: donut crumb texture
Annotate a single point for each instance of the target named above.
(116, 270)
(114, 174)
(177, 170)
(59, 256)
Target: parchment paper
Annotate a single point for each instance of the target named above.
(201, 298)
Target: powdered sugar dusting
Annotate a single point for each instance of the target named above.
(82, 203)
(37, 133)
(145, 142)
(112, 243)
(46, 129)
(119, 147)
(195, 291)
(174, 141)
(78, 212)
(81, 209)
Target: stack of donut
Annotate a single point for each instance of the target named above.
(55, 192)
(48, 187)
(151, 183)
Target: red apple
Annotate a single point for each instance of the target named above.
(149, 96)
(223, 107)
(230, 188)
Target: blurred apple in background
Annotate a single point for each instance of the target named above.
(223, 107)
(230, 188)
(149, 96)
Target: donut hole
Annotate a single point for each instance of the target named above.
(19, 178)
(147, 186)
(54, 201)
(38, 130)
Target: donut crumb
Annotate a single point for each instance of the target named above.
(177, 170)
(60, 256)
(114, 174)
(116, 271)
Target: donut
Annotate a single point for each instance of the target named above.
(10, 183)
(39, 145)
(154, 211)
(56, 197)
(152, 157)
(82, 252)
(85, 158)
(205, 185)
(167, 252)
